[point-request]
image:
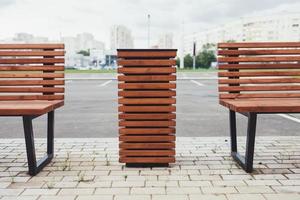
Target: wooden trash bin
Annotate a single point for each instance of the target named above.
(147, 106)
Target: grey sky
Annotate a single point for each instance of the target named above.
(69, 17)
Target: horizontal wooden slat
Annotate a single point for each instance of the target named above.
(260, 52)
(31, 97)
(259, 88)
(32, 60)
(259, 45)
(164, 93)
(145, 62)
(146, 101)
(30, 82)
(260, 59)
(271, 105)
(148, 109)
(259, 81)
(147, 159)
(32, 46)
(32, 53)
(259, 73)
(147, 153)
(147, 116)
(32, 75)
(147, 54)
(134, 131)
(145, 78)
(144, 138)
(157, 86)
(147, 70)
(31, 89)
(147, 145)
(260, 95)
(33, 68)
(258, 66)
(147, 123)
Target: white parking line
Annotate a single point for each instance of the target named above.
(196, 82)
(105, 83)
(68, 81)
(289, 117)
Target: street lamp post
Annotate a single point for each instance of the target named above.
(149, 30)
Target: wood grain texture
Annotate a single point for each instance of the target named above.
(147, 98)
(31, 72)
(259, 77)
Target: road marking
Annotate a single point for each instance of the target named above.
(69, 81)
(196, 82)
(105, 83)
(289, 117)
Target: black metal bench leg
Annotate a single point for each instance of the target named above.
(246, 162)
(33, 165)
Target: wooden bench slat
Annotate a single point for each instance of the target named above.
(33, 68)
(32, 46)
(157, 86)
(147, 54)
(148, 93)
(32, 53)
(259, 52)
(147, 109)
(263, 105)
(259, 45)
(260, 59)
(20, 108)
(147, 116)
(31, 97)
(129, 131)
(259, 81)
(259, 66)
(259, 73)
(259, 88)
(147, 123)
(32, 60)
(147, 70)
(145, 62)
(143, 101)
(146, 78)
(30, 82)
(31, 89)
(32, 75)
(259, 95)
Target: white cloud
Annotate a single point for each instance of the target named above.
(69, 17)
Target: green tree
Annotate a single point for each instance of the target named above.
(205, 57)
(178, 62)
(84, 52)
(188, 61)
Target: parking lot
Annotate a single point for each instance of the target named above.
(91, 111)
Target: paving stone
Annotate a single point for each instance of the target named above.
(170, 197)
(152, 190)
(218, 190)
(40, 192)
(95, 197)
(282, 196)
(132, 197)
(207, 197)
(245, 197)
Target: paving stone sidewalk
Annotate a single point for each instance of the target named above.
(89, 169)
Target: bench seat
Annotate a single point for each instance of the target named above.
(21, 108)
(263, 105)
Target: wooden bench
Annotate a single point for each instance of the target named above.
(257, 78)
(31, 85)
(147, 84)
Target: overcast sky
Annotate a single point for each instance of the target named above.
(51, 17)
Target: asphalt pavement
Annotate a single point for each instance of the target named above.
(91, 111)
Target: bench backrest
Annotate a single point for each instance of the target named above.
(31, 72)
(259, 70)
